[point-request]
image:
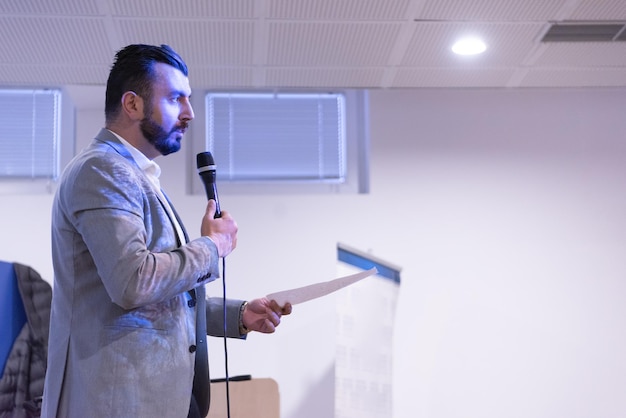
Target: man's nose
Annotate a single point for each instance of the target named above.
(187, 112)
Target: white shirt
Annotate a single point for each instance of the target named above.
(152, 172)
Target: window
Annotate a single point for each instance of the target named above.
(285, 136)
(29, 139)
(286, 141)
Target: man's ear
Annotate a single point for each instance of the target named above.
(132, 105)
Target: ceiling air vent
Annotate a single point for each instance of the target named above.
(596, 32)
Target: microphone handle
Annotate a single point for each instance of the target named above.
(218, 211)
(208, 180)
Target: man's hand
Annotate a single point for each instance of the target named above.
(263, 315)
(222, 230)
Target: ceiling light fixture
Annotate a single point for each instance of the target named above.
(469, 46)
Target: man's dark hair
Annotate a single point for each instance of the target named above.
(133, 70)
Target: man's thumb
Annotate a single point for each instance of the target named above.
(210, 208)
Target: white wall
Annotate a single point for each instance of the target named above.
(505, 209)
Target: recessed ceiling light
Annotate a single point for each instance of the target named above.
(469, 46)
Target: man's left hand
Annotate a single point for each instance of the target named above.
(263, 315)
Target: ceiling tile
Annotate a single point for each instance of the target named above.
(220, 43)
(52, 75)
(223, 9)
(582, 54)
(213, 78)
(50, 7)
(59, 40)
(582, 77)
(330, 44)
(338, 9)
(589, 10)
(324, 77)
(450, 77)
(492, 10)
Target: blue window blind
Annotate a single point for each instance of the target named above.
(277, 137)
(29, 139)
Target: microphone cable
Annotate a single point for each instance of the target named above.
(227, 378)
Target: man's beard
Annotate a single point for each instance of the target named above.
(158, 137)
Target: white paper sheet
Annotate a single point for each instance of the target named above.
(314, 291)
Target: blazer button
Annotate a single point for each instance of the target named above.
(191, 303)
(192, 348)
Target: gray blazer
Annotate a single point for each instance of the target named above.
(122, 327)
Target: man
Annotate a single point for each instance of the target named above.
(123, 324)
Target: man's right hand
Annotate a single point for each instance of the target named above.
(222, 230)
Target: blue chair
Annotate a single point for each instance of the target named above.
(11, 311)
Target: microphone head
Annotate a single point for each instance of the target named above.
(204, 161)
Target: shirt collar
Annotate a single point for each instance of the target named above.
(147, 166)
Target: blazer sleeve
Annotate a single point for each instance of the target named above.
(215, 317)
(129, 236)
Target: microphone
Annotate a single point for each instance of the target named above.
(206, 170)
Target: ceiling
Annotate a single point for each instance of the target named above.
(313, 43)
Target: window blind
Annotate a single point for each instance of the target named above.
(29, 139)
(277, 137)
